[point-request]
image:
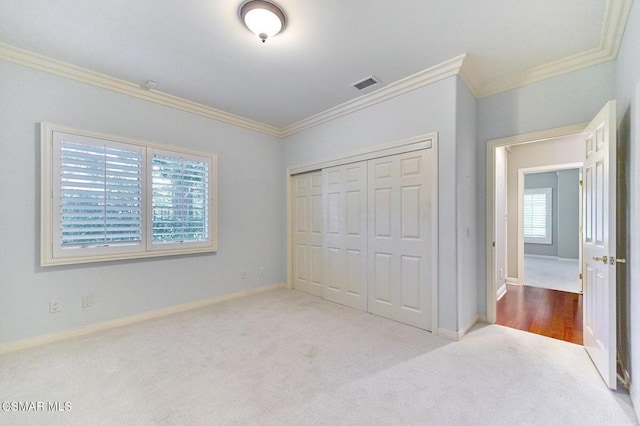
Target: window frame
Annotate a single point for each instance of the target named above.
(548, 238)
(50, 250)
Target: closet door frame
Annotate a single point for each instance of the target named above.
(427, 141)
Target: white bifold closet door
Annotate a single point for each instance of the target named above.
(400, 237)
(345, 234)
(308, 261)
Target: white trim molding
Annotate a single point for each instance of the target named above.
(457, 335)
(541, 256)
(613, 26)
(502, 291)
(422, 78)
(64, 69)
(119, 322)
(396, 147)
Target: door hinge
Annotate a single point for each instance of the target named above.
(493, 244)
(580, 182)
(580, 275)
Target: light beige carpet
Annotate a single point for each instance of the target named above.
(284, 357)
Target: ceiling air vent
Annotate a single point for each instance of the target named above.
(367, 82)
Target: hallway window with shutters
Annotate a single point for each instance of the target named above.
(537, 217)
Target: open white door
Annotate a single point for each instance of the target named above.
(599, 243)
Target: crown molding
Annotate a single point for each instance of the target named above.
(614, 23)
(64, 69)
(422, 78)
(468, 75)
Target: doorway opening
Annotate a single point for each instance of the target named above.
(598, 234)
(549, 222)
(537, 252)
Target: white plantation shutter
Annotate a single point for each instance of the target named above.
(180, 198)
(107, 197)
(537, 215)
(99, 197)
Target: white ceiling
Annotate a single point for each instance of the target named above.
(200, 51)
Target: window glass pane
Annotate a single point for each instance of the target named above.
(180, 194)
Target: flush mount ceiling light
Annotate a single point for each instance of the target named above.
(263, 18)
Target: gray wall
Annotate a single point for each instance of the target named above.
(545, 180)
(568, 213)
(251, 209)
(628, 96)
(565, 212)
(466, 125)
(428, 109)
(560, 101)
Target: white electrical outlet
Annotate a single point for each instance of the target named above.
(261, 271)
(87, 301)
(54, 306)
(243, 275)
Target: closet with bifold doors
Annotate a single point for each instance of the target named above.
(365, 234)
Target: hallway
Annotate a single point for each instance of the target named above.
(550, 313)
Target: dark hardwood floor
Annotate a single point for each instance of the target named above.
(551, 313)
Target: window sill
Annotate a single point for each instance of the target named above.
(58, 261)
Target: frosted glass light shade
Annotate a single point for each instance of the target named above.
(263, 18)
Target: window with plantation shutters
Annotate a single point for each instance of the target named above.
(180, 207)
(100, 195)
(106, 198)
(537, 216)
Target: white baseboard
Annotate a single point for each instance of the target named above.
(119, 322)
(453, 335)
(559, 259)
(501, 291)
(448, 334)
(512, 281)
(541, 256)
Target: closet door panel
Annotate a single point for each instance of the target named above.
(307, 253)
(400, 238)
(345, 236)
